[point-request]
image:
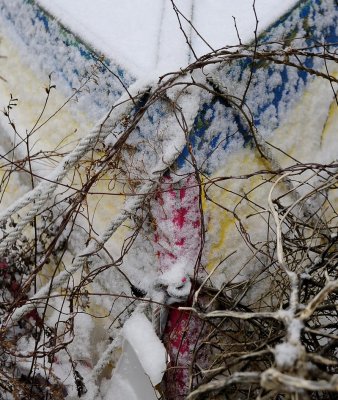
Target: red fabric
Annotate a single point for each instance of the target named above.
(177, 222)
(177, 236)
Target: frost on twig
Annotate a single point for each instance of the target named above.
(291, 344)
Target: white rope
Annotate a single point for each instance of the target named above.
(45, 189)
(49, 184)
(131, 206)
(15, 233)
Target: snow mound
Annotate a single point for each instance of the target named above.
(138, 331)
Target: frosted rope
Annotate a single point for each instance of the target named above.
(56, 176)
(105, 358)
(131, 206)
(15, 233)
(46, 188)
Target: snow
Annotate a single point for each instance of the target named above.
(294, 330)
(286, 354)
(139, 332)
(129, 381)
(37, 46)
(145, 35)
(176, 280)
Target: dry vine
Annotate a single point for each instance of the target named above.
(246, 343)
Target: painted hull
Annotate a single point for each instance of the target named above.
(284, 103)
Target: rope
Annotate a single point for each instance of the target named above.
(45, 189)
(131, 206)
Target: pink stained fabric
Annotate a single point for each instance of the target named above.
(177, 222)
(176, 215)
